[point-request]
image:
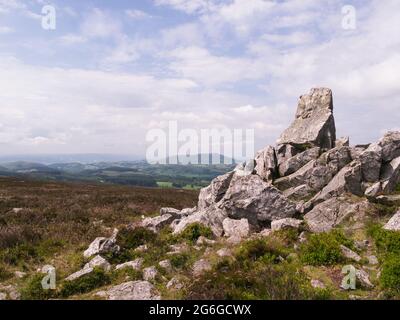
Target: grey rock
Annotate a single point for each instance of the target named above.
(394, 223)
(215, 191)
(317, 284)
(135, 264)
(363, 278)
(373, 260)
(390, 144)
(371, 161)
(224, 252)
(201, 241)
(266, 163)
(170, 211)
(79, 274)
(252, 198)
(342, 142)
(150, 273)
(165, 264)
(211, 217)
(288, 223)
(175, 284)
(299, 192)
(20, 274)
(374, 190)
(3, 296)
(314, 124)
(101, 245)
(233, 227)
(283, 152)
(98, 262)
(246, 168)
(390, 177)
(293, 164)
(200, 267)
(348, 180)
(133, 290)
(350, 254)
(329, 214)
(300, 177)
(155, 224)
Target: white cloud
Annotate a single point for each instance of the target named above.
(99, 24)
(6, 30)
(72, 39)
(137, 14)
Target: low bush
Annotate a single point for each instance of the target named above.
(387, 242)
(324, 248)
(86, 283)
(132, 238)
(33, 289)
(390, 277)
(4, 273)
(194, 231)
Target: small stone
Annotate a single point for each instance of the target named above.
(363, 278)
(175, 284)
(317, 284)
(79, 274)
(200, 267)
(135, 264)
(394, 223)
(224, 252)
(133, 290)
(165, 264)
(373, 260)
(287, 223)
(201, 241)
(142, 248)
(20, 274)
(233, 227)
(350, 254)
(150, 273)
(98, 262)
(303, 237)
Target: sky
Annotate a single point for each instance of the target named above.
(113, 70)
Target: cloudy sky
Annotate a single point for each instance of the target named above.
(113, 70)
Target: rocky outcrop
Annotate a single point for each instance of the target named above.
(233, 227)
(394, 223)
(215, 191)
(252, 198)
(133, 290)
(102, 245)
(293, 164)
(331, 213)
(288, 223)
(266, 164)
(314, 124)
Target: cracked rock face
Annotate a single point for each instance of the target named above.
(314, 124)
(252, 198)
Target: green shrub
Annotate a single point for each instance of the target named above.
(194, 231)
(387, 242)
(179, 261)
(228, 281)
(22, 253)
(132, 238)
(259, 250)
(33, 289)
(86, 283)
(324, 248)
(390, 277)
(4, 273)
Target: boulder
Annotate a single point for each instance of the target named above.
(202, 241)
(98, 262)
(371, 161)
(101, 245)
(283, 152)
(170, 211)
(79, 274)
(363, 278)
(215, 191)
(233, 227)
(342, 142)
(390, 144)
(390, 177)
(166, 265)
(135, 264)
(293, 164)
(394, 223)
(348, 180)
(331, 213)
(314, 124)
(349, 254)
(150, 273)
(288, 223)
(252, 198)
(211, 217)
(133, 290)
(155, 224)
(266, 164)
